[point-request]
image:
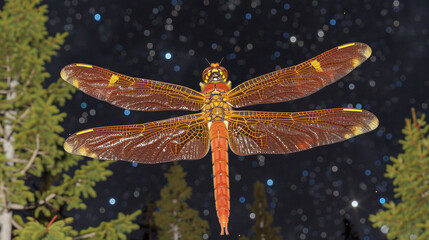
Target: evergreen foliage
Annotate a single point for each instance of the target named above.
(408, 218)
(175, 219)
(348, 233)
(35, 177)
(262, 228)
(148, 223)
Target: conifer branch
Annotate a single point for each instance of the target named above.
(24, 113)
(33, 157)
(85, 236)
(16, 206)
(15, 224)
(409, 172)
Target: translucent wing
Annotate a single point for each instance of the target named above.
(300, 80)
(131, 93)
(180, 138)
(251, 132)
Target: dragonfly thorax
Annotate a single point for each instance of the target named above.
(216, 108)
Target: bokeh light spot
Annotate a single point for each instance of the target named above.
(97, 17)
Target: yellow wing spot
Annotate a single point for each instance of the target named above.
(83, 151)
(92, 155)
(85, 131)
(316, 65)
(351, 110)
(84, 65)
(348, 135)
(346, 45)
(68, 147)
(368, 52)
(355, 62)
(357, 130)
(113, 79)
(75, 83)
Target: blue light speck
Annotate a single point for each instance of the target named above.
(242, 199)
(286, 35)
(286, 6)
(382, 200)
(270, 182)
(389, 136)
(231, 56)
(367, 172)
(97, 17)
(134, 164)
(399, 84)
(168, 56)
(305, 173)
(112, 201)
(333, 22)
(248, 16)
(127, 112)
(83, 105)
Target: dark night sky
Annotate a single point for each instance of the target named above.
(311, 191)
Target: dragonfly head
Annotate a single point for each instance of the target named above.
(215, 74)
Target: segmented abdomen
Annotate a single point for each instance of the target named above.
(219, 144)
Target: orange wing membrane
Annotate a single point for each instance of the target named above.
(131, 93)
(251, 132)
(180, 138)
(300, 80)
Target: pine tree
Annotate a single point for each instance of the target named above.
(175, 219)
(409, 217)
(348, 233)
(262, 228)
(148, 223)
(34, 169)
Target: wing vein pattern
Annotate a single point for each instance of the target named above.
(129, 92)
(252, 132)
(300, 80)
(180, 138)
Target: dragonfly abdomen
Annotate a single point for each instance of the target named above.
(219, 145)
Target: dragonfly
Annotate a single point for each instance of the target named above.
(217, 125)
